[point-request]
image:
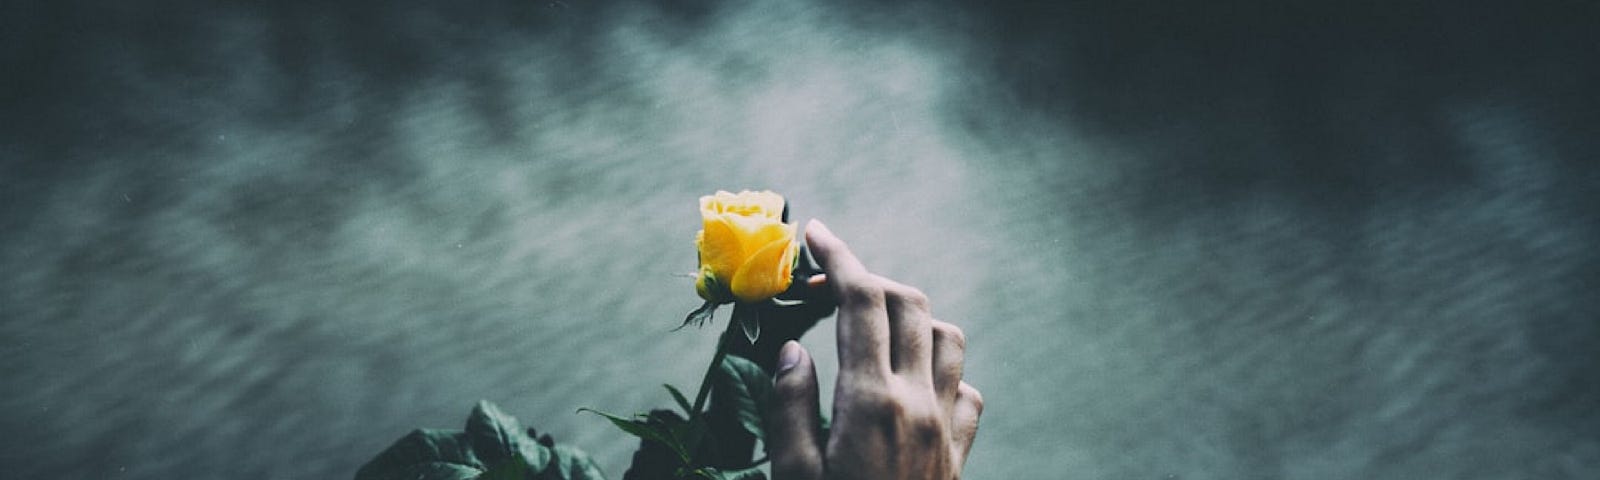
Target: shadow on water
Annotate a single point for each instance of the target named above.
(1186, 241)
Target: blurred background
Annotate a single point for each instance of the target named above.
(1193, 240)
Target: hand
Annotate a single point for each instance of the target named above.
(900, 409)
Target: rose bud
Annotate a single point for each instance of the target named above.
(747, 252)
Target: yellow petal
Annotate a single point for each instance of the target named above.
(765, 204)
(705, 283)
(766, 273)
(757, 232)
(720, 247)
(744, 238)
(712, 204)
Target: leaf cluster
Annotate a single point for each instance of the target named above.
(492, 447)
(692, 438)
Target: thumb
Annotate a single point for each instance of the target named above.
(793, 427)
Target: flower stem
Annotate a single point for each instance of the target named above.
(705, 382)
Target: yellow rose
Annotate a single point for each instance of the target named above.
(746, 251)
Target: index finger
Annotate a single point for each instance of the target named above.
(840, 264)
(863, 330)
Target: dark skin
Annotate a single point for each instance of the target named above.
(900, 408)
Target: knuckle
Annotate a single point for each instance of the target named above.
(925, 421)
(972, 395)
(880, 401)
(864, 394)
(885, 406)
(862, 294)
(951, 335)
(907, 420)
(913, 297)
(925, 429)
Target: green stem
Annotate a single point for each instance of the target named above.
(705, 382)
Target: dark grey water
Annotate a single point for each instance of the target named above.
(1285, 242)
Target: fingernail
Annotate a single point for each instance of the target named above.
(788, 356)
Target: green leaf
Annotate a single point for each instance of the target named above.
(689, 433)
(642, 427)
(516, 468)
(635, 427)
(654, 460)
(751, 473)
(682, 400)
(749, 387)
(427, 471)
(497, 437)
(571, 464)
(424, 453)
(492, 447)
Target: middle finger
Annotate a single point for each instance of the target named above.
(910, 331)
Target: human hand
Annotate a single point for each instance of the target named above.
(900, 409)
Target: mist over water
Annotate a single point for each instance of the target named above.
(266, 241)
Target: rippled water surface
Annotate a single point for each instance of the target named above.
(266, 241)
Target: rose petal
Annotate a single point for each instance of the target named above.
(763, 204)
(769, 204)
(755, 232)
(720, 247)
(766, 273)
